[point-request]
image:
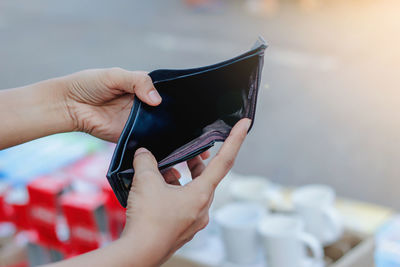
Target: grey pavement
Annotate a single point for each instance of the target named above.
(329, 107)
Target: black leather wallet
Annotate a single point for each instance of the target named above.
(199, 107)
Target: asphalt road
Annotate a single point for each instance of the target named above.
(328, 110)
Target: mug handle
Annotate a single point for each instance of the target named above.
(333, 222)
(313, 244)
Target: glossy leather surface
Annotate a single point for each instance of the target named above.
(199, 107)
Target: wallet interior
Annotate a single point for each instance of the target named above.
(199, 107)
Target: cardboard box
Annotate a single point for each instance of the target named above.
(116, 214)
(354, 249)
(86, 219)
(44, 207)
(360, 255)
(16, 205)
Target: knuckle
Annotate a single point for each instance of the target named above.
(147, 80)
(214, 185)
(188, 239)
(145, 173)
(114, 71)
(143, 82)
(203, 199)
(111, 76)
(204, 221)
(146, 77)
(142, 76)
(191, 218)
(140, 73)
(242, 135)
(228, 163)
(147, 156)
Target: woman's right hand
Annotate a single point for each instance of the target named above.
(164, 216)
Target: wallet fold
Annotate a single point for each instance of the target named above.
(199, 107)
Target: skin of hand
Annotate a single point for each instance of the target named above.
(99, 100)
(171, 219)
(161, 214)
(96, 101)
(161, 217)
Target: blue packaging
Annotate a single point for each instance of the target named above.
(387, 241)
(22, 163)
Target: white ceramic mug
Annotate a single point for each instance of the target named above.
(238, 227)
(249, 188)
(285, 242)
(255, 189)
(316, 205)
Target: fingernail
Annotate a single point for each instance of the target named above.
(141, 150)
(248, 123)
(154, 97)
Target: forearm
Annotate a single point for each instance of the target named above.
(33, 111)
(121, 253)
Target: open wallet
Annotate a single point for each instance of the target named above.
(199, 107)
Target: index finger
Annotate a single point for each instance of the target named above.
(223, 161)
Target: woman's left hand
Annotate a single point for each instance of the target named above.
(98, 101)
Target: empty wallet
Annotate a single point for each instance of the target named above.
(199, 107)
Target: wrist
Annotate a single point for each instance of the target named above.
(32, 112)
(53, 95)
(147, 247)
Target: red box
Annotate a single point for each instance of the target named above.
(92, 169)
(116, 213)
(44, 206)
(86, 219)
(16, 203)
(4, 210)
(46, 190)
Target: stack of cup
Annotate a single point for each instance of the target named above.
(248, 229)
(285, 243)
(315, 205)
(238, 227)
(256, 189)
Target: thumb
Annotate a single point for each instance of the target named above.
(145, 163)
(133, 82)
(144, 88)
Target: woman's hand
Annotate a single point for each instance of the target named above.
(99, 101)
(164, 216)
(95, 101)
(161, 214)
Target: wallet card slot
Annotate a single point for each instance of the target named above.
(218, 130)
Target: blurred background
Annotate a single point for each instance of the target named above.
(329, 103)
(328, 111)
